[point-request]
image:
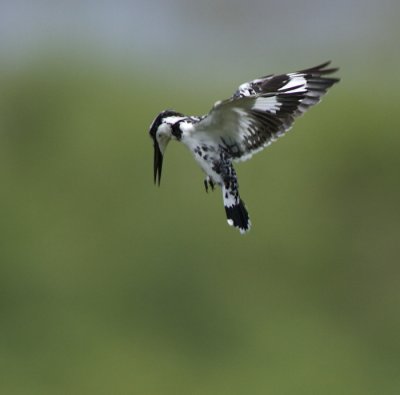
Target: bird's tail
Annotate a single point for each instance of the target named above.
(236, 212)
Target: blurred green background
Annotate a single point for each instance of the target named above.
(109, 285)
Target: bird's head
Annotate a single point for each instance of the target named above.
(162, 130)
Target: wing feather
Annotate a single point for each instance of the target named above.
(264, 109)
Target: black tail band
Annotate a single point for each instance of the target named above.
(238, 216)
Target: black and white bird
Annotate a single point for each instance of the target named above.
(257, 114)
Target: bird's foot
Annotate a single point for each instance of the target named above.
(208, 181)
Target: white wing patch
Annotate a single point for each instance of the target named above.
(269, 104)
(296, 81)
(245, 86)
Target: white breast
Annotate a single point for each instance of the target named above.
(204, 157)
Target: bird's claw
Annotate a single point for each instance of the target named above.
(208, 182)
(206, 185)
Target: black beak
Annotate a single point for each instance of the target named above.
(158, 160)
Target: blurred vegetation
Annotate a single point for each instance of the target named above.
(112, 286)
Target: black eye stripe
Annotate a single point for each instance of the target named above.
(176, 130)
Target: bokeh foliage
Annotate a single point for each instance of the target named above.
(112, 286)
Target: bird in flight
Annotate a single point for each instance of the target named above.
(257, 114)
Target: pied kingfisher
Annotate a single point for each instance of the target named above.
(258, 112)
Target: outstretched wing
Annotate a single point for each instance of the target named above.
(264, 109)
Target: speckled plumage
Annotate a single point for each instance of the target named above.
(257, 114)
